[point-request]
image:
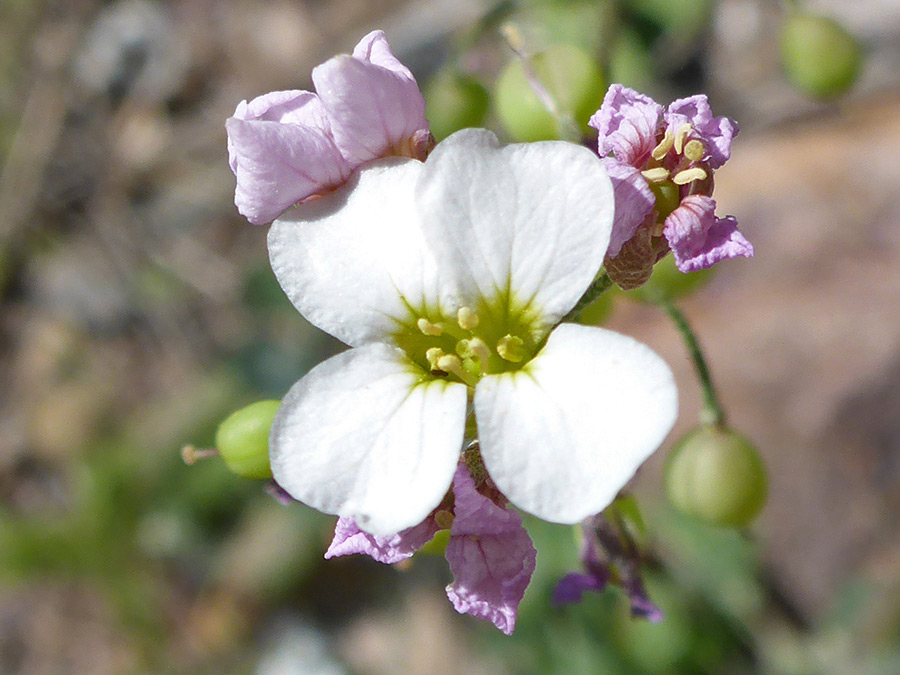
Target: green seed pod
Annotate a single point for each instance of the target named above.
(243, 439)
(571, 77)
(454, 101)
(819, 56)
(717, 475)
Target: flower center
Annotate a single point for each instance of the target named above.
(473, 343)
(676, 166)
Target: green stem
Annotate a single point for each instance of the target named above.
(597, 287)
(712, 413)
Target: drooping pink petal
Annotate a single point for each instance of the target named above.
(490, 554)
(634, 201)
(698, 239)
(372, 100)
(715, 132)
(281, 151)
(628, 122)
(349, 540)
(571, 587)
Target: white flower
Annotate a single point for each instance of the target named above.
(446, 278)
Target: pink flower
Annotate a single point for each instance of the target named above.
(490, 553)
(289, 145)
(661, 162)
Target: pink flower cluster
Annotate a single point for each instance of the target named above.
(661, 162)
(490, 553)
(287, 146)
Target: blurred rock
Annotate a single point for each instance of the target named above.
(132, 48)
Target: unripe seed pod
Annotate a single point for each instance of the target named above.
(242, 439)
(819, 56)
(717, 475)
(454, 101)
(571, 77)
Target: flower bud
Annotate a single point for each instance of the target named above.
(717, 475)
(454, 101)
(819, 56)
(570, 76)
(243, 439)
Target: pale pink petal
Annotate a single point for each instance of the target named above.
(373, 105)
(634, 201)
(715, 132)
(628, 123)
(350, 540)
(375, 48)
(698, 239)
(490, 554)
(281, 151)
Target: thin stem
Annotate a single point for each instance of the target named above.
(599, 285)
(712, 413)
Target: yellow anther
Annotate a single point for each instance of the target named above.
(434, 355)
(480, 349)
(664, 146)
(681, 136)
(511, 348)
(444, 519)
(467, 318)
(450, 363)
(657, 175)
(694, 150)
(688, 175)
(474, 348)
(428, 328)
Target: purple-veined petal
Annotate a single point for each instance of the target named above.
(699, 239)
(354, 261)
(490, 554)
(627, 122)
(526, 223)
(634, 201)
(350, 540)
(366, 435)
(715, 132)
(563, 435)
(372, 100)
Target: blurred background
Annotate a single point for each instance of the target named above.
(137, 310)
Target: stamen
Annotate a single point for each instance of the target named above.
(657, 175)
(511, 348)
(428, 328)
(450, 363)
(664, 146)
(480, 349)
(434, 355)
(467, 318)
(474, 348)
(694, 150)
(681, 135)
(444, 519)
(688, 175)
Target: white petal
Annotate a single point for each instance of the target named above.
(563, 435)
(353, 261)
(533, 219)
(363, 436)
